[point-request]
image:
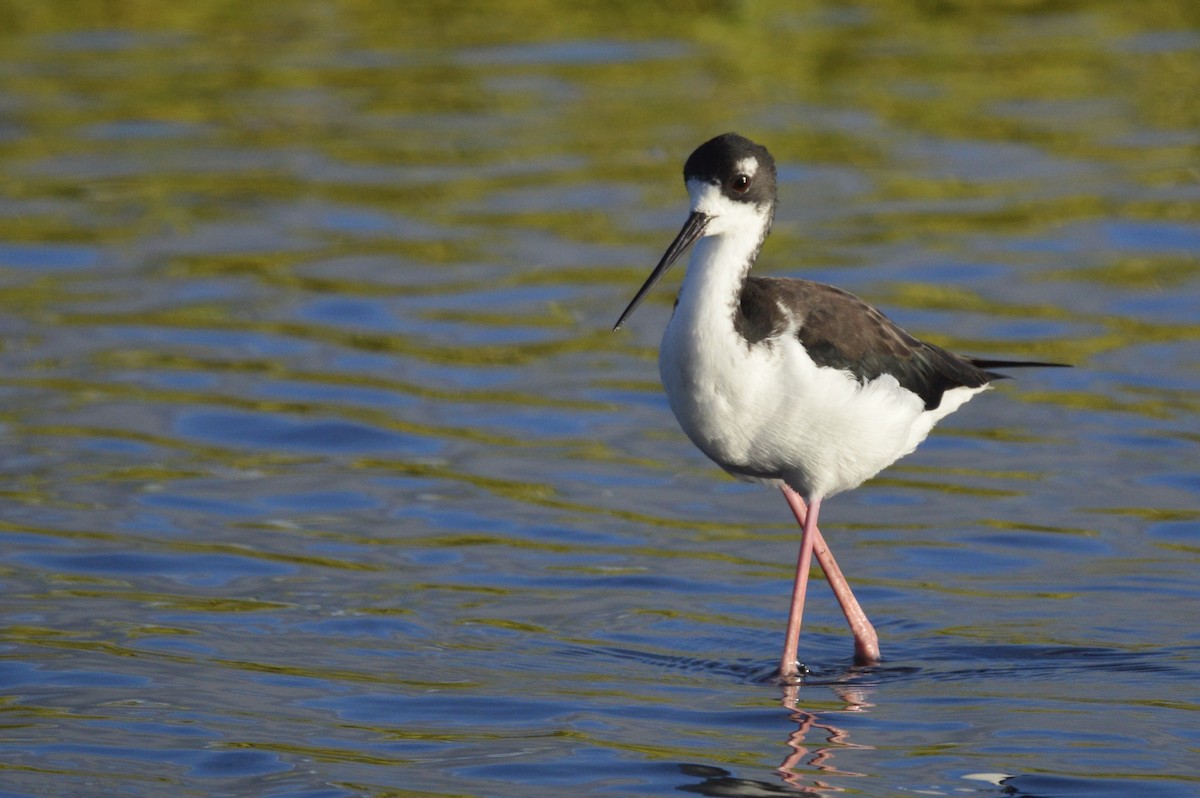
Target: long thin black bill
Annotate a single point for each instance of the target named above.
(693, 228)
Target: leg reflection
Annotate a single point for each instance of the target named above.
(835, 739)
(721, 783)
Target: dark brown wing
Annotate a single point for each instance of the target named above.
(841, 331)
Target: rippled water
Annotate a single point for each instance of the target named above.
(324, 475)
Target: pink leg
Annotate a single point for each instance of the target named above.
(791, 641)
(866, 641)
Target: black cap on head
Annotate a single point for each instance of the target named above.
(717, 161)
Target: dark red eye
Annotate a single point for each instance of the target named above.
(740, 184)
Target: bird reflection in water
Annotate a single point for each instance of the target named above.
(794, 770)
(836, 739)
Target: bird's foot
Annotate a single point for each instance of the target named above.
(793, 676)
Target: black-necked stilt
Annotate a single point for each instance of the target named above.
(790, 382)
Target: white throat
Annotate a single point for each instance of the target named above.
(721, 259)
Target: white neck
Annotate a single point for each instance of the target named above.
(714, 278)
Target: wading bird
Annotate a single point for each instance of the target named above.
(789, 382)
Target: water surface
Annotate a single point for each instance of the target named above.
(324, 474)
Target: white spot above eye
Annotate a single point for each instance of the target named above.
(746, 166)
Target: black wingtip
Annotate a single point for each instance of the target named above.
(1017, 364)
(988, 365)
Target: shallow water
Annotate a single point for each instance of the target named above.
(324, 474)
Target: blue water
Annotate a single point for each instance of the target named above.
(324, 475)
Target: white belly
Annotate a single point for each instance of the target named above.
(769, 412)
